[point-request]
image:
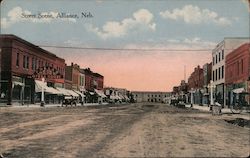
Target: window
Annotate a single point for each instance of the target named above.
(222, 54)
(216, 72)
(222, 72)
(159, 95)
(216, 60)
(238, 67)
(219, 56)
(24, 61)
(242, 68)
(17, 59)
(213, 60)
(213, 75)
(219, 73)
(28, 63)
(33, 64)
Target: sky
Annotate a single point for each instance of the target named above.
(151, 41)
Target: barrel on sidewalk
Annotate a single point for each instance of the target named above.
(216, 109)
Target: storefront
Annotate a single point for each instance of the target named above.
(234, 93)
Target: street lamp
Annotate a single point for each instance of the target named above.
(192, 97)
(42, 95)
(211, 86)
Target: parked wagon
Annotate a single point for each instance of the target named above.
(69, 100)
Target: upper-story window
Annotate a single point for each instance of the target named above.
(216, 59)
(24, 61)
(33, 63)
(219, 56)
(222, 54)
(222, 72)
(242, 66)
(213, 60)
(17, 59)
(28, 62)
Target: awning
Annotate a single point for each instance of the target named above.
(79, 93)
(91, 93)
(39, 85)
(63, 91)
(121, 96)
(52, 90)
(115, 97)
(72, 93)
(126, 97)
(18, 83)
(239, 90)
(100, 93)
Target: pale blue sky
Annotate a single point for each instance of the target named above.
(58, 32)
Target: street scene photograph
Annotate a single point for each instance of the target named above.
(142, 78)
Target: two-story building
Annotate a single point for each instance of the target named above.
(218, 65)
(22, 64)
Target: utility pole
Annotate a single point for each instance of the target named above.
(185, 73)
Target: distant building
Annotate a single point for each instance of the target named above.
(93, 80)
(147, 96)
(218, 64)
(207, 74)
(195, 85)
(237, 72)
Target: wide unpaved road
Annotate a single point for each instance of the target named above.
(135, 130)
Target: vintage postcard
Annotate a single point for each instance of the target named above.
(124, 78)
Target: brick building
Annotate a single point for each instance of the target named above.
(219, 53)
(207, 75)
(237, 72)
(195, 85)
(196, 79)
(93, 80)
(72, 76)
(22, 63)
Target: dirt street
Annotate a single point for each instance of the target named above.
(135, 130)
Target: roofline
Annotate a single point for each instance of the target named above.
(14, 37)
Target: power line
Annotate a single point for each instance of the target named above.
(123, 49)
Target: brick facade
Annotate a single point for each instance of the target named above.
(23, 62)
(238, 65)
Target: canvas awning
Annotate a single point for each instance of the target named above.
(115, 97)
(18, 83)
(100, 93)
(63, 91)
(72, 93)
(239, 90)
(126, 97)
(79, 93)
(91, 93)
(39, 85)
